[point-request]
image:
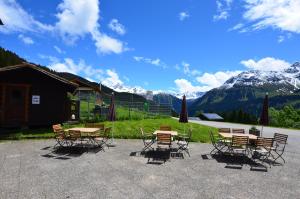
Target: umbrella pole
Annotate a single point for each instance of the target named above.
(262, 128)
(112, 143)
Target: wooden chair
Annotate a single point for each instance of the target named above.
(224, 130)
(183, 142)
(280, 141)
(164, 140)
(242, 131)
(165, 128)
(262, 148)
(75, 136)
(147, 140)
(60, 136)
(239, 145)
(217, 143)
(102, 139)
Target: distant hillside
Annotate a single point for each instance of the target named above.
(164, 98)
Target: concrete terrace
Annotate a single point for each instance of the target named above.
(32, 169)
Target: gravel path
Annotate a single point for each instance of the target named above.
(33, 169)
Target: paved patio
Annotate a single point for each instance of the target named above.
(31, 169)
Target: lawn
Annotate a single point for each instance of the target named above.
(127, 129)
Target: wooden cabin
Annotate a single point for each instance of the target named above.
(33, 96)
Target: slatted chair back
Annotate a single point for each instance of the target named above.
(57, 128)
(74, 134)
(242, 131)
(224, 130)
(264, 142)
(164, 139)
(280, 138)
(165, 128)
(240, 140)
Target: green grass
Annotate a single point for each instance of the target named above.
(127, 129)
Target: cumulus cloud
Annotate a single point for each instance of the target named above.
(186, 87)
(78, 18)
(25, 40)
(156, 61)
(75, 20)
(266, 64)
(283, 14)
(183, 16)
(16, 19)
(214, 80)
(70, 66)
(114, 25)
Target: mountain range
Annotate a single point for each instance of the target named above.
(244, 91)
(247, 90)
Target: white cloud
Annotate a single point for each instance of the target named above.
(114, 25)
(156, 62)
(78, 18)
(25, 40)
(183, 16)
(266, 64)
(237, 27)
(106, 44)
(223, 8)
(188, 71)
(112, 80)
(214, 80)
(70, 66)
(60, 51)
(185, 87)
(16, 19)
(281, 14)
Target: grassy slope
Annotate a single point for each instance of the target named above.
(125, 129)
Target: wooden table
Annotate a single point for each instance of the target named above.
(85, 130)
(229, 135)
(173, 133)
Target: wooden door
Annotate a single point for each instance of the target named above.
(15, 107)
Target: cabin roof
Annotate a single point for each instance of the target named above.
(34, 67)
(212, 116)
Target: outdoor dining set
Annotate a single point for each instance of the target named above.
(235, 142)
(95, 135)
(166, 139)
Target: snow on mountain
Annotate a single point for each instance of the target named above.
(290, 77)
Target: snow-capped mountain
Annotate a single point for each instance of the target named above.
(247, 90)
(289, 77)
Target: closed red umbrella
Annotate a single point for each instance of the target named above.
(183, 114)
(264, 117)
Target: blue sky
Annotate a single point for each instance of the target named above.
(180, 46)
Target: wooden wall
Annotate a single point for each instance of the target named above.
(53, 107)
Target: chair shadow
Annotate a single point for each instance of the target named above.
(236, 162)
(66, 153)
(158, 156)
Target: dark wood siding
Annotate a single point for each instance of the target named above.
(53, 107)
